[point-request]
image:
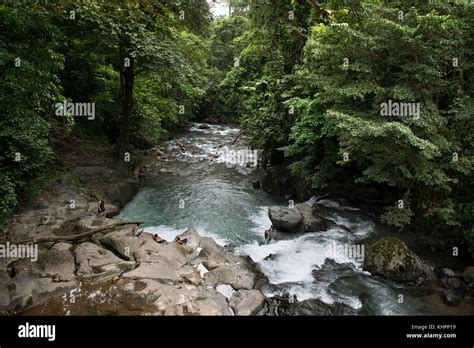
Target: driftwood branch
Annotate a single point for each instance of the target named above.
(76, 236)
(237, 137)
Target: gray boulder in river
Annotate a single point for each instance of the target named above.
(390, 258)
(300, 218)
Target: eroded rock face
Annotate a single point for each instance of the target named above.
(147, 277)
(391, 258)
(94, 261)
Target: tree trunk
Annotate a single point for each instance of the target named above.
(127, 77)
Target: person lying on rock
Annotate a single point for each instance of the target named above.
(158, 239)
(181, 241)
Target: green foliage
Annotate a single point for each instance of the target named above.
(83, 59)
(313, 86)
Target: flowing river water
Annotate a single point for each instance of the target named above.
(200, 189)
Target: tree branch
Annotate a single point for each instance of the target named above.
(76, 236)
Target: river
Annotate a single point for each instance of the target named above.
(200, 189)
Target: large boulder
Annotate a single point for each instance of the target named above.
(468, 274)
(313, 219)
(247, 302)
(285, 219)
(239, 276)
(300, 218)
(277, 180)
(390, 258)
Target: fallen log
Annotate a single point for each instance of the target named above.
(237, 137)
(75, 236)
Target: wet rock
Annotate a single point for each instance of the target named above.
(313, 221)
(468, 274)
(247, 302)
(451, 298)
(286, 219)
(29, 289)
(390, 258)
(203, 126)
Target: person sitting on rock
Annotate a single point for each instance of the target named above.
(101, 207)
(137, 232)
(158, 239)
(181, 241)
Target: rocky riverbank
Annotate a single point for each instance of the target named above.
(388, 258)
(199, 278)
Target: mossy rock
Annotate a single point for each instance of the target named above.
(391, 258)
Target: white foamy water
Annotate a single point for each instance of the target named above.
(290, 263)
(261, 222)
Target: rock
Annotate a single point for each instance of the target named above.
(286, 219)
(277, 180)
(390, 258)
(454, 283)
(256, 184)
(122, 242)
(94, 262)
(56, 262)
(451, 298)
(239, 276)
(5, 285)
(163, 272)
(468, 274)
(313, 221)
(123, 191)
(178, 299)
(111, 210)
(203, 126)
(213, 255)
(446, 272)
(29, 290)
(247, 302)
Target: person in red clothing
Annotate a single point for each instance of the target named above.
(158, 239)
